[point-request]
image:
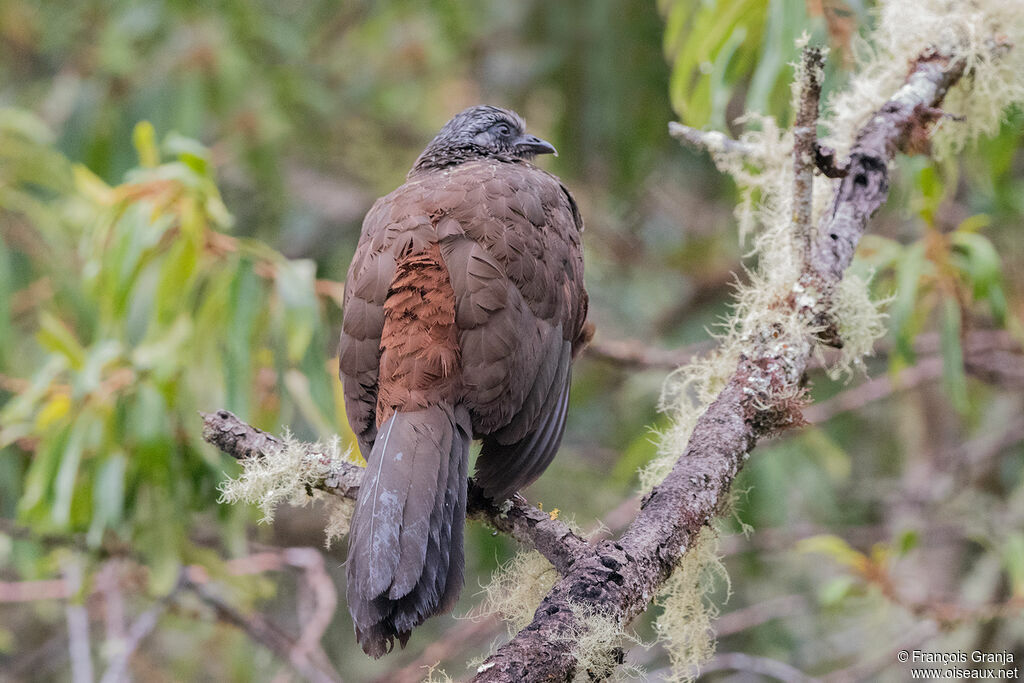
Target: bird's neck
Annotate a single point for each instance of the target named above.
(436, 157)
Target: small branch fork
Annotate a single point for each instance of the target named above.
(619, 578)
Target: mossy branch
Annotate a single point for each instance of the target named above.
(529, 525)
(618, 579)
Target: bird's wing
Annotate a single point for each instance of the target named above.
(512, 247)
(393, 228)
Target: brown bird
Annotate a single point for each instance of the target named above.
(464, 308)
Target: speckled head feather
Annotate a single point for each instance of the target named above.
(480, 132)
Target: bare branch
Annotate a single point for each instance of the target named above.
(137, 632)
(712, 141)
(468, 633)
(262, 631)
(825, 160)
(77, 618)
(763, 666)
(805, 136)
(325, 598)
(30, 591)
(632, 353)
(876, 388)
(740, 620)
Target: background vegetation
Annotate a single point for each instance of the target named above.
(181, 188)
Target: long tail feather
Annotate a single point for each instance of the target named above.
(405, 558)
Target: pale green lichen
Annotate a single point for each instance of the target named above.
(291, 475)
(989, 36)
(685, 623)
(982, 33)
(517, 587)
(597, 638)
(436, 675)
(861, 324)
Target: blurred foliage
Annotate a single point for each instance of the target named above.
(131, 311)
(730, 57)
(157, 158)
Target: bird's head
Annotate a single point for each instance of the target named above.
(482, 131)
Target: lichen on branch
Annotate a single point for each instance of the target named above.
(797, 298)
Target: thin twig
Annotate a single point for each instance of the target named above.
(875, 389)
(108, 586)
(746, 618)
(825, 160)
(78, 623)
(30, 591)
(633, 353)
(763, 666)
(263, 632)
(139, 631)
(805, 135)
(324, 602)
(712, 141)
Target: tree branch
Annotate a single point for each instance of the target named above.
(262, 631)
(527, 524)
(712, 141)
(619, 579)
(805, 135)
(633, 353)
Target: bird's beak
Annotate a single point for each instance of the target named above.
(531, 144)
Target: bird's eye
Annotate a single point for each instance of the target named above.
(503, 130)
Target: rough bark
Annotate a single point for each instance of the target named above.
(619, 578)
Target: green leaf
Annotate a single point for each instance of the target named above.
(144, 139)
(7, 343)
(954, 378)
(24, 405)
(726, 25)
(909, 273)
(55, 336)
(907, 541)
(83, 431)
(833, 547)
(25, 124)
(107, 496)
(834, 591)
(298, 388)
(981, 267)
(176, 278)
(166, 350)
(40, 476)
(932, 189)
(296, 286)
(1012, 550)
(190, 152)
(96, 362)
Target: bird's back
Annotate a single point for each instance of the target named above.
(468, 283)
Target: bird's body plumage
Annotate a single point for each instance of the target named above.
(464, 307)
